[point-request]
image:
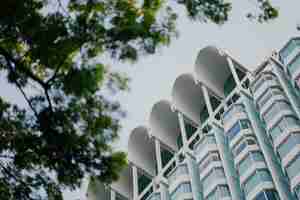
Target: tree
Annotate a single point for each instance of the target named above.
(49, 50)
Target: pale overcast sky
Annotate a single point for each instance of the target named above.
(153, 76)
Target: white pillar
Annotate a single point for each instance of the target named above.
(284, 83)
(228, 164)
(158, 155)
(112, 195)
(207, 99)
(261, 135)
(234, 74)
(182, 130)
(135, 182)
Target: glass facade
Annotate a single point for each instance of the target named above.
(211, 171)
(294, 66)
(289, 51)
(248, 158)
(282, 123)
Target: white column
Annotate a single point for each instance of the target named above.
(234, 74)
(135, 182)
(261, 135)
(158, 155)
(284, 83)
(112, 195)
(207, 99)
(182, 130)
(228, 164)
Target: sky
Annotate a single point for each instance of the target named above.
(153, 76)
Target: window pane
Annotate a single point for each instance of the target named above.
(245, 124)
(293, 168)
(275, 132)
(257, 156)
(259, 176)
(273, 111)
(180, 170)
(289, 144)
(182, 188)
(297, 191)
(234, 131)
(223, 191)
(244, 165)
(239, 148)
(261, 196)
(272, 195)
(264, 175)
(294, 66)
(214, 174)
(251, 183)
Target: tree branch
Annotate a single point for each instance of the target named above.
(55, 74)
(11, 68)
(10, 59)
(26, 98)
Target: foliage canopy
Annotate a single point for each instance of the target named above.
(49, 52)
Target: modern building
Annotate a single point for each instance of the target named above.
(228, 134)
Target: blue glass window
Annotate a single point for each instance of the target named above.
(294, 66)
(249, 140)
(275, 132)
(216, 173)
(208, 139)
(239, 149)
(245, 124)
(180, 170)
(272, 195)
(297, 191)
(260, 176)
(285, 123)
(219, 192)
(273, 111)
(209, 159)
(234, 131)
(182, 188)
(249, 161)
(241, 124)
(244, 164)
(223, 191)
(289, 144)
(267, 195)
(257, 156)
(291, 46)
(293, 168)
